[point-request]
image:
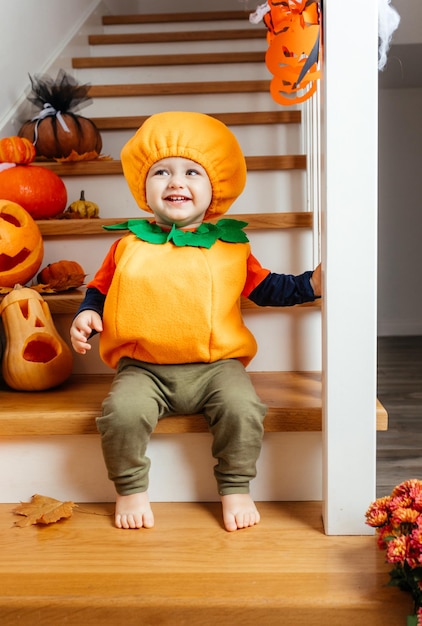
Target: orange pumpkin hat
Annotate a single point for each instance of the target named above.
(193, 136)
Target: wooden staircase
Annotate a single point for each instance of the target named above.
(187, 569)
(278, 224)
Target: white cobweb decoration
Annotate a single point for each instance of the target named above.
(388, 21)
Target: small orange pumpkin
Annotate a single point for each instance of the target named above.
(21, 245)
(36, 357)
(39, 190)
(62, 275)
(16, 150)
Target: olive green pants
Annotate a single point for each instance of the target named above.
(142, 393)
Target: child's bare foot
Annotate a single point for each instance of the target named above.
(239, 511)
(133, 511)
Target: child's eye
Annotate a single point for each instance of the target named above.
(192, 172)
(161, 173)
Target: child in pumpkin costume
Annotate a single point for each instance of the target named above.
(166, 301)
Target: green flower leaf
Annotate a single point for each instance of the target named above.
(147, 231)
(232, 230)
(121, 226)
(204, 236)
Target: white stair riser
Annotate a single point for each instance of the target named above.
(72, 468)
(255, 140)
(288, 339)
(285, 251)
(173, 73)
(204, 103)
(178, 47)
(166, 27)
(265, 192)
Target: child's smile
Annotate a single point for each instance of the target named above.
(178, 192)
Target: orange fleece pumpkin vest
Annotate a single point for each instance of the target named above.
(169, 304)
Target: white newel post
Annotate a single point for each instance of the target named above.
(349, 104)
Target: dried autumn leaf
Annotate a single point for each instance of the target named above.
(43, 510)
(43, 288)
(86, 156)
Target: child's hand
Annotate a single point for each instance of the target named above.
(316, 281)
(81, 330)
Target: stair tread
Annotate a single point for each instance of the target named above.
(149, 18)
(178, 88)
(293, 399)
(151, 60)
(256, 221)
(105, 167)
(240, 118)
(66, 303)
(189, 570)
(184, 36)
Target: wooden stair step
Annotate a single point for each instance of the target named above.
(66, 303)
(133, 122)
(160, 18)
(178, 89)
(151, 60)
(256, 221)
(293, 399)
(188, 570)
(107, 167)
(188, 36)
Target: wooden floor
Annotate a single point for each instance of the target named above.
(188, 570)
(399, 450)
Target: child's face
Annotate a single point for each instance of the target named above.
(178, 192)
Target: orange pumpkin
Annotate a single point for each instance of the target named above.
(62, 275)
(39, 190)
(21, 245)
(16, 150)
(36, 357)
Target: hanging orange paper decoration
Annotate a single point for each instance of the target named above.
(293, 53)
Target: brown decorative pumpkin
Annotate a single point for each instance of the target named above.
(55, 141)
(62, 275)
(39, 190)
(56, 131)
(16, 150)
(35, 357)
(21, 245)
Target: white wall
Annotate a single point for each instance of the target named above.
(45, 28)
(400, 212)
(400, 198)
(32, 34)
(410, 28)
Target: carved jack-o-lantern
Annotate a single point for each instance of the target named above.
(35, 357)
(21, 245)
